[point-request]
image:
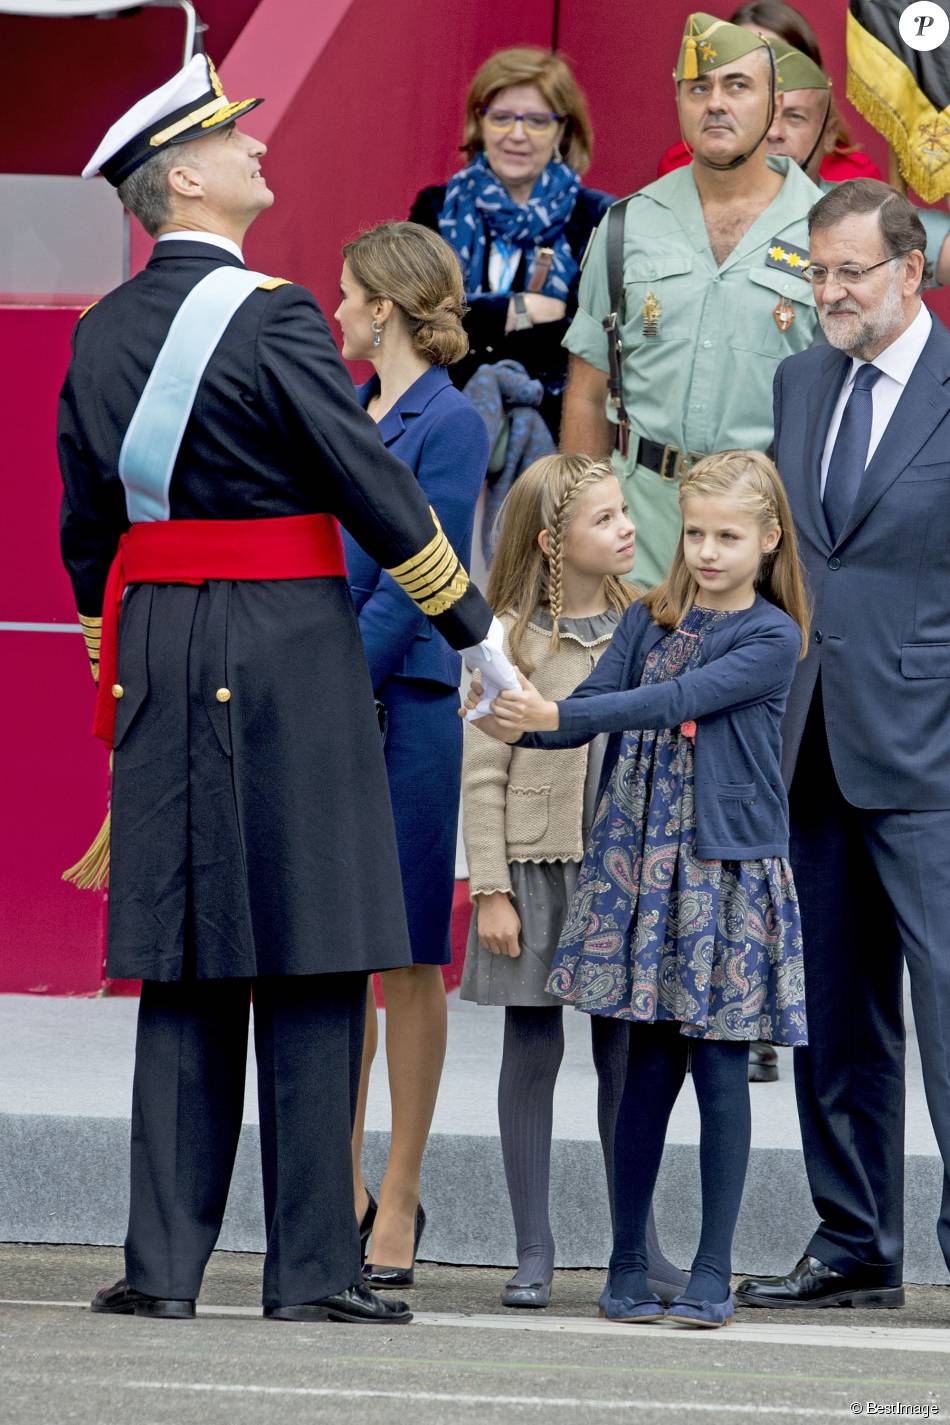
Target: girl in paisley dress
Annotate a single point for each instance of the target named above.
(556, 584)
(684, 921)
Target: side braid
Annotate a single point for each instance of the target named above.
(556, 563)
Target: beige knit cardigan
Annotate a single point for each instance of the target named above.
(523, 805)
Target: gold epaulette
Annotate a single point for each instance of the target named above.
(88, 309)
(270, 284)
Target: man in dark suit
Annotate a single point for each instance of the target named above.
(252, 838)
(862, 439)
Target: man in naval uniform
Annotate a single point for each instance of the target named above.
(209, 433)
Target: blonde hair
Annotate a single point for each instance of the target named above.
(522, 577)
(751, 479)
(552, 74)
(417, 270)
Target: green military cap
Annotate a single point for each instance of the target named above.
(709, 43)
(794, 70)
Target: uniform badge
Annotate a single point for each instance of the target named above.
(784, 314)
(652, 312)
(787, 258)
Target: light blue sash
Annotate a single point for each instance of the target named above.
(152, 441)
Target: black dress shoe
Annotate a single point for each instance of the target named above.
(811, 1283)
(389, 1278)
(763, 1063)
(366, 1224)
(124, 1300)
(357, 1304)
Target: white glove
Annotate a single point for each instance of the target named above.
(491, 661)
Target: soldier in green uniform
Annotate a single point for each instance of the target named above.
(713, 287)
(799, 131)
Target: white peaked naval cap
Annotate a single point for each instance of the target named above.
(189, 106)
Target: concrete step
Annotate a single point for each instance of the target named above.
(65, 1087)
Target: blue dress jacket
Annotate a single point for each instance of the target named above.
(736, 697)
(439, 434)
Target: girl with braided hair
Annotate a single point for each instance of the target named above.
(684, 921)
(557, 585)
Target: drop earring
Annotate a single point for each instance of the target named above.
(377, 332)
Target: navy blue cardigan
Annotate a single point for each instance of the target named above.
(736, 697)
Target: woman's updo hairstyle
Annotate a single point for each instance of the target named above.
(417, 270)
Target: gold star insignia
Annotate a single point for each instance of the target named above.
(793, 259)
(777, 254)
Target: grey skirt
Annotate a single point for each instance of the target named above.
(542, 892)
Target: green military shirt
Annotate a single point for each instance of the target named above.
(703, 381)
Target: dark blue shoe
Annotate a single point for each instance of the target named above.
(707, 1315)
(641, 1312)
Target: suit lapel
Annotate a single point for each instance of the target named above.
(821, 403)
(924, 403)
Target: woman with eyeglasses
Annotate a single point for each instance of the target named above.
(518, 215)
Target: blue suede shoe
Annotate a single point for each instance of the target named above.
(707, 1315)
(624, 1308)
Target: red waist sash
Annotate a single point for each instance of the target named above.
(193, 551)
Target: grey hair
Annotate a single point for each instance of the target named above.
(145, 192)
(901, 229)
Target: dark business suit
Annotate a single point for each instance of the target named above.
(252, 840)
(867, 757)
(442, 438)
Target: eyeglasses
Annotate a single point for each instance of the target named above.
(502, 121)
(849, 275)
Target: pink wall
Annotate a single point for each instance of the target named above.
(53, 775)
(364, 107)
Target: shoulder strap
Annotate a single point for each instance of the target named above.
(155, 432)
(616, 217)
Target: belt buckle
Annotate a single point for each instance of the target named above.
(675, 463)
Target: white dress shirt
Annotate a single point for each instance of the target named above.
(215, 239)
(896, 362)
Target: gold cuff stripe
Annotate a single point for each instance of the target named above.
(91, 620)
(433, 579)
(448, 596)
(195, 117)
(419, 559)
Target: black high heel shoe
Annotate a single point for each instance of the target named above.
(366, 1224)
(384, 1278)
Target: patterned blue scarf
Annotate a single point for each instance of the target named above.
(475, 200)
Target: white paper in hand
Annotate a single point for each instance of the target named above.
(496, 669)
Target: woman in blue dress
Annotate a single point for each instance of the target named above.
(684, 920)
(401, 309)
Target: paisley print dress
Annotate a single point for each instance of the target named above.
(653, 932)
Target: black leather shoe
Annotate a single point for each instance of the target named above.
(366, 1224)
(390, 1278)
(811, 1283)
(763, 1063)
(124, 1300)
(357, 1304)
(535, 1297)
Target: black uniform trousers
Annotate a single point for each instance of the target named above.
(187, 1107)
(874, 888)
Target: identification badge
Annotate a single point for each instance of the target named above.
(784, 314)
(787, 258)
(652, 312)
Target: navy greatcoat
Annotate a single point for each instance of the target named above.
(442, 438)
(252, 837)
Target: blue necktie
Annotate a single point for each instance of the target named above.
(850, 453)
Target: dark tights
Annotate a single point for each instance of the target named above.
(659, 1057)
(533, 1049)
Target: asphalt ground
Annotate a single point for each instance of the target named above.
(463, 1359)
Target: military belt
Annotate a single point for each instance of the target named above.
(666, 461)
